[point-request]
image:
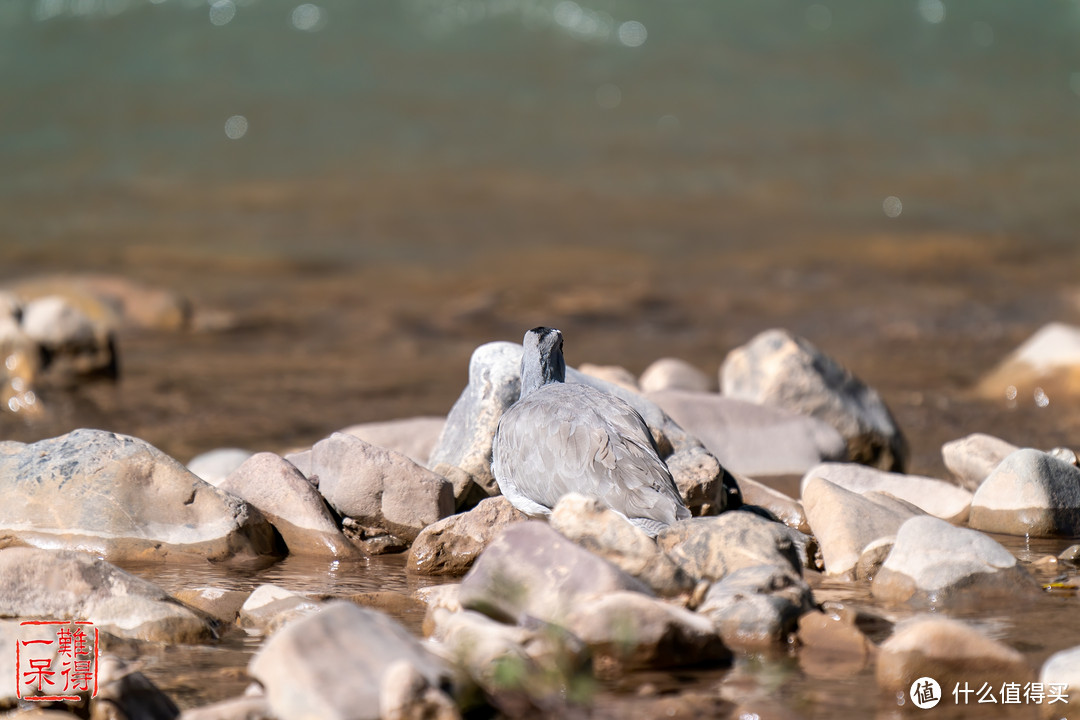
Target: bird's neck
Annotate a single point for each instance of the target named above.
(542, 370)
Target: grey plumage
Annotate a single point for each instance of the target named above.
(559, 438)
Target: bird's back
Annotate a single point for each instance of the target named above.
(573, 438)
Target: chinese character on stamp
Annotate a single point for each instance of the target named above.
(55, 659)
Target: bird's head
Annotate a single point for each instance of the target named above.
(542, 361)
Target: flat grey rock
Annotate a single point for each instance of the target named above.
(753, 439)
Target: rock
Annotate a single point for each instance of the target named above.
(332, 664)
(247, 707)
(301, 460)
(531, 570)
(540, 660)
(20, 370)
(753, 439)
(407, 695)
(383, 491)
(674, 374)
(219, 603)
(932, 562)
(214, 466)
(278, 490)
(451, 545)
(1064, 454)
(831, 646)
(971, 459)
(71, 344)
(63, 585)
(466, 440)
(1062, 671)
(613, 374)
(602, 531)
(846, 523)
(949, 651)
(780, 369)
(122, 498)
(782, 507)
(757, 606)
(935, 497)
(438, 597)
(635, 631)
(1049, 360)
(711, 548)
(1029, 493)
(269, 607)
(113, 301)
(705, 486)
(1070, 555)
(413, 437)
(124, 694)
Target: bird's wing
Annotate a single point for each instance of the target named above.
(561, 440)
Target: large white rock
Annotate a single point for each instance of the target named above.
(1029, 493)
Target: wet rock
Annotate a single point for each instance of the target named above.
(246, 707)
(932, 561)
(753, 439)
(1029, 493)
(604, 532)
(332, 664)
(1048, 360)
(846, 523)
(949, 651)
(634, 631)
(1070, 555)
(613, 374)
(935, 497)
(435, 598)
(780, 369)
(213, 466)
(62, 585)
(711, 548)
(832, 646)
(451, 545)
(531, 570)
(124, 499)
(1061, 670)
(407, 695)
(126, 694)
(757, 606)
(783, 507)
(971, 459)
(466, 440)
(385, 493)
(674, 374)
(219, 603)
(539, 660)
(281, 493)
(269, 607)
(413, 437)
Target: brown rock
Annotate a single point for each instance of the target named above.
(451, 545)
(710, 548)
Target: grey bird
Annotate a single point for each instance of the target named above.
(559, 438)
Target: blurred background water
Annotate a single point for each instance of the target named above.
(373, 188)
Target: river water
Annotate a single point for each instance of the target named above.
(368, 190)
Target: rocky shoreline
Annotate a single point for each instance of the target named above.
(546, 612)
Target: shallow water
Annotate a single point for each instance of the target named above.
(413, 178)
